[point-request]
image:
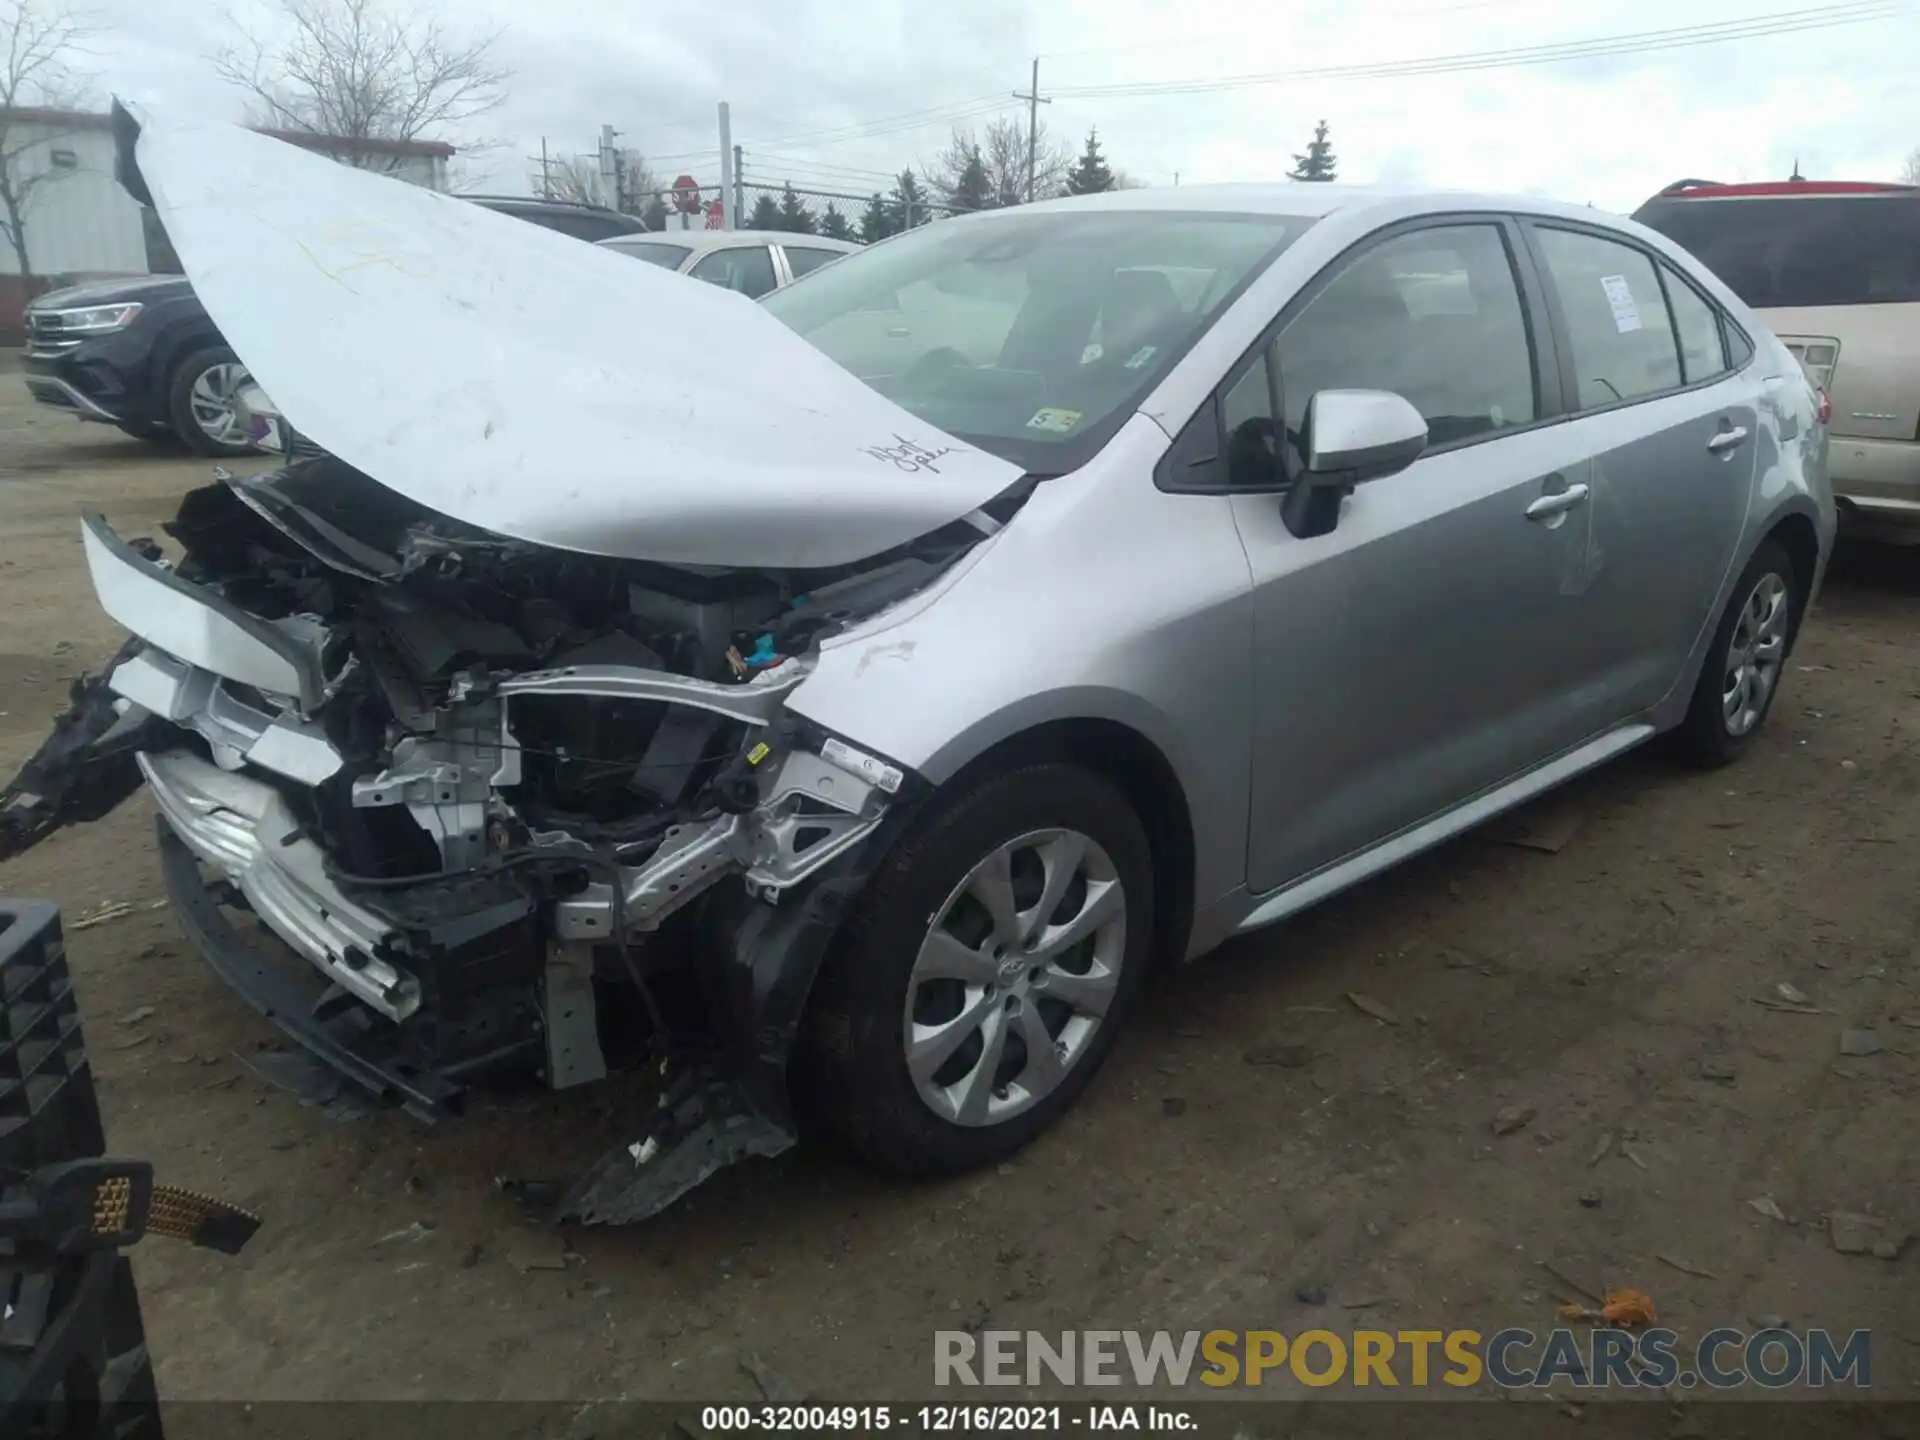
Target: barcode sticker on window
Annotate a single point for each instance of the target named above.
(1626, 314)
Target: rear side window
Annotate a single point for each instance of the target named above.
(1697, 324)
(745, 268)
(653, 252)
(802, 259)
(1780, 251)
(1623, 346)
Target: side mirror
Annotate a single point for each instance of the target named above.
(1352, 436)
(1358, 435)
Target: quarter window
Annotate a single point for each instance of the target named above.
(1703, 353)
(1434, 316)
(745, 268)
(1623, 346)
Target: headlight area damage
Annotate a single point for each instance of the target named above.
(512, 809)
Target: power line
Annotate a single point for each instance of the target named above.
(1230, 42)
(1517, 57)
(1646, 41)
(770, 157)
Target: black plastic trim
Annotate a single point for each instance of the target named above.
(268, 989)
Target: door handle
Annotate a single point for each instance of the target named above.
(898, 332)
(1558, 503)
(1727, 439)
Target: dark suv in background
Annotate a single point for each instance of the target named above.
(141, 353)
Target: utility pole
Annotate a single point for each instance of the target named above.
(1034, 100)
(729, 162)
(739, 189)
(546, 175)
(609, 167)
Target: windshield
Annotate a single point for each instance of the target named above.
(1775, 253)
(1032, 336)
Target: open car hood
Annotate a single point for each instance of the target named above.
(526, 383)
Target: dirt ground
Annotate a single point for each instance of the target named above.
(1611, 985)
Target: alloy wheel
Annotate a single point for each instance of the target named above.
(1755, 654)
(1014, 977)
(211, 398)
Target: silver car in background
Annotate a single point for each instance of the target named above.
(750, 262)
(1235, 544)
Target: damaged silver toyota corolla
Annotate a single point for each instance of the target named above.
(847, 719)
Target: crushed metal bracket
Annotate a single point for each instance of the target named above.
(704, 1124)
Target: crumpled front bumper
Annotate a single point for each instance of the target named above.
(243, 828)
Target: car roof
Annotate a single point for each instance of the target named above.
(724, 239)
(1777, 189)
(1303, 200)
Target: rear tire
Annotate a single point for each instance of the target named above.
(200, 402)
(925, 966)
(1745, 661)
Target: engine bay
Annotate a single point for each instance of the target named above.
(507, 801)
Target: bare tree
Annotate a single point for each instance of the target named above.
(988, 171)
(1910, 171)
(38, 39)
(363, 70)
(1007, 149)
(580, 180)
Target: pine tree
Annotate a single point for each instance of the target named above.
(877, 222)
(794, 214)
(766, 214)
(971, 187)
(909, 207)
(834, 225)
(1318, 163)
(1092, 175)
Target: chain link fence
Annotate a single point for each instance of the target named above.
(843, 214)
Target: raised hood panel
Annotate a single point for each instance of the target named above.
(529, 384)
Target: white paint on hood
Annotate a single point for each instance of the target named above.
(532, 384)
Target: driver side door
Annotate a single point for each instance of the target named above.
(1433, 644)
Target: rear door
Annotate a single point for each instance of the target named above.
(1674, 433)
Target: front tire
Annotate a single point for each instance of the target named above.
(983, 980)
(1745, 662)
(200, 402)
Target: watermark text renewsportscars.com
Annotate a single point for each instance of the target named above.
(1513, 1358)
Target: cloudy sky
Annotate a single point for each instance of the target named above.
(835, 94)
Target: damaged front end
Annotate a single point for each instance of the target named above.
(511, 811)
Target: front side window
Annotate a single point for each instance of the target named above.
(1033, 336)
(1434, 316)
(1623, 346)
(1703, 353)
(747, 269)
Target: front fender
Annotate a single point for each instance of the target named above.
(1103, 599)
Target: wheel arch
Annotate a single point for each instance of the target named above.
(167, 355)
(1141, 771)
(1795, 533)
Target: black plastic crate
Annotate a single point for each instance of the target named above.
(48, 1109)
(73, 1355)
